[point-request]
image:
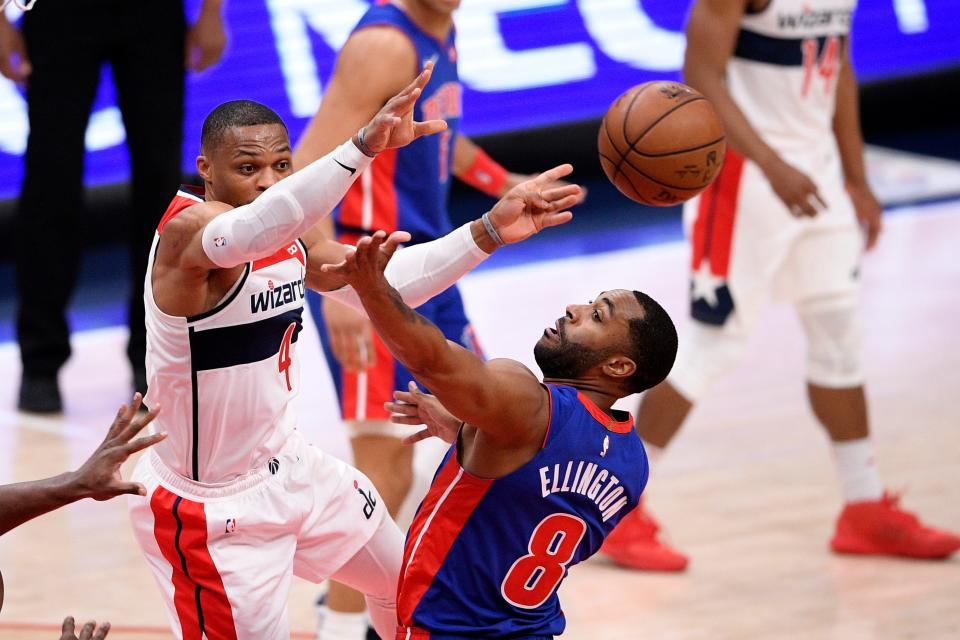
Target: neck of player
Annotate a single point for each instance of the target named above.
(600, 395)
(436, 23)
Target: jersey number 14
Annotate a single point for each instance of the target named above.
(826, 64)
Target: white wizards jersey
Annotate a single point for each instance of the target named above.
(225, 378)
(784, 69)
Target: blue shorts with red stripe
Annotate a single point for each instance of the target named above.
(362, 394)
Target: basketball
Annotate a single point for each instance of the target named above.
(661, 143)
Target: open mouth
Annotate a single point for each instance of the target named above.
(552, 332)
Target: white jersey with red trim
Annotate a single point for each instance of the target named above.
(225, 378)
(784, 69)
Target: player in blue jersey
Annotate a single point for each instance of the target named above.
(539, 472)
(405, 189)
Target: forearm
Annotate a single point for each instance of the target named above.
(846, 126)
(284, 211)
(740, 133)
(25, 501)
(412, 339)
(423, 271)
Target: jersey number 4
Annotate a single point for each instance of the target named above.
(284, 358)
(826, 64)
(534, 577)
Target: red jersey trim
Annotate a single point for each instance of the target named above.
(184, 199)
(601, 416)
(293, 251)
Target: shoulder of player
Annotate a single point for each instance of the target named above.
(185, 228)
(523, 400)
(381, 55)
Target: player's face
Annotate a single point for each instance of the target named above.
(248, 162)
(587, 335)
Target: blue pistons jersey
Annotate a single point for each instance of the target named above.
(484, 557)
(406, 189)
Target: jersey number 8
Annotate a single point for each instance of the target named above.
(534, 577)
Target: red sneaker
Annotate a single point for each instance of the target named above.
(880, 527)
(634, 544)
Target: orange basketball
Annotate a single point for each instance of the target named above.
(661, 143)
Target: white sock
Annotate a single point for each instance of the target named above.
(857, 468)
(338, 625)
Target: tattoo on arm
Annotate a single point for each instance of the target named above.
(408, 314)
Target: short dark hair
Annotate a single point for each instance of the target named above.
(236, 113)
(653, 345)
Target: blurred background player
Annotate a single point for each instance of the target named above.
(404, 189)
(539, 472)
(57, 55)
(785, 218)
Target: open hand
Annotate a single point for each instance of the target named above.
(394, 126)
(99, 477)
(90, 631)
(416, 407)
(534, 205)
(363, 267)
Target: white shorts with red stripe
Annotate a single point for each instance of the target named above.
(747, 248)
(223, 555)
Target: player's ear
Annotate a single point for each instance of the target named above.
(619, 367)
(203, 168)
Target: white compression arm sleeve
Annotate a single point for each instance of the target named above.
(425, 270)
(284, 211)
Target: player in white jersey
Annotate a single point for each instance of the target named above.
(236, 502)
(786, 219)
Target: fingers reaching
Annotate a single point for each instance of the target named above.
(552, 175)
(142, 443)
(556, 219)
(416, 437)
(428, 127)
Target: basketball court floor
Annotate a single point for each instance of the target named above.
(748, 489)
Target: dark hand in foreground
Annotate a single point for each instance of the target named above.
(416, 407)
(90, 631)
(534, 205)
(394, 125)
(99, 477)
(363, 268)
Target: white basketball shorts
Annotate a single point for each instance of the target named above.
(223, 555)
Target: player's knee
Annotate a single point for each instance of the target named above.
(834, 332)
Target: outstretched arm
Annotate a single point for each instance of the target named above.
(500, 397)
(211, 235)
(420, 272)
(98, 478)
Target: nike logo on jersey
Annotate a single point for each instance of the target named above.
(276, 296)
(587, 479)
(352, 170)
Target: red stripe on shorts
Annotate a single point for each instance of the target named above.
(180, 528)
(373, 388)
(716, 212)
(448, 505)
